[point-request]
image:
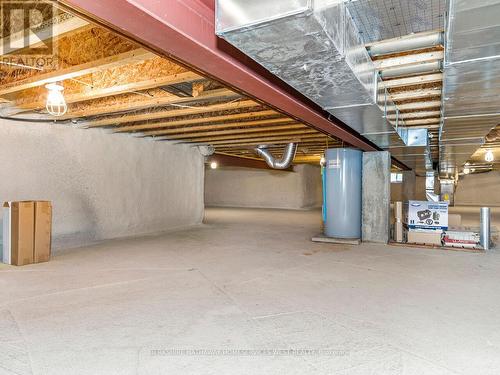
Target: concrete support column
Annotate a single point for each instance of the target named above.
(376, 196)
(409, 185)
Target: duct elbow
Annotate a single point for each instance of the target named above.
(283, 163)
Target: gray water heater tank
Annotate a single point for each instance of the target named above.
(343, 170)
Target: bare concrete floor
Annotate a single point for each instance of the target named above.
(250, 282)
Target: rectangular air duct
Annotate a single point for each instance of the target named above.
(315, 47)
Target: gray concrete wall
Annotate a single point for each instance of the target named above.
(101, 185)
(260, 188)
(376, 196)
(480, 189)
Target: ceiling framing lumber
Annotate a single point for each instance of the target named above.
(285, 120)
(418, 58)
(187, 134)
(198, 120)
(415, 115)
(172, 113)
(412, 81)
(415, 106)
(72, 72)
(120, 89)
(113, 105)
(415, 94)
(212, 138)
(264, 140)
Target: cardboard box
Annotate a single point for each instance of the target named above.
(426, 215)
(427, 237)
(22, 232)
(456, 238)
(43, 231)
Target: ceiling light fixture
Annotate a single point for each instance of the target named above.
(56, 104)
(213, 165)
(466, 170)
(322, 161)
(489, 157)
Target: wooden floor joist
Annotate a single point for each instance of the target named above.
(415, 94)
(415, 115)
(198, 120)
(415, 106)
(236, 137)
(172, 113)
(114, 105)
(266, 140)
(110, 62)
(412, 81)
(410, 59)
(219, 127)
(120, 89)
(185, 134)
(429, 121)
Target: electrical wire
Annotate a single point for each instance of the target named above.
(42, 121)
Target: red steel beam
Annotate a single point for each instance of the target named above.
(184, 30)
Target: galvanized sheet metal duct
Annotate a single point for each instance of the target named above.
(471, 94)
(315, 47)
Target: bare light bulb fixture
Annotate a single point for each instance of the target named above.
(466, 170)
(489, 157)
(213, 165)
(56, 104)
(322, 161)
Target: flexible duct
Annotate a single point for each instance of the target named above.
(283, 163)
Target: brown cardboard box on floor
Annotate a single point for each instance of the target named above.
(22, 232)
(429, 237)
(43, 231)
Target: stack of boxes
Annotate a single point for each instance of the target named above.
(27, 228)
(424, 222)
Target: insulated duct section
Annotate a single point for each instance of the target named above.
(471, 91)
(315, 47)
(283, 163)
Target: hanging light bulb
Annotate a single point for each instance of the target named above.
(322, 161)
(466, 170)
(213, 165)
(489, 157)
(56, 104)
